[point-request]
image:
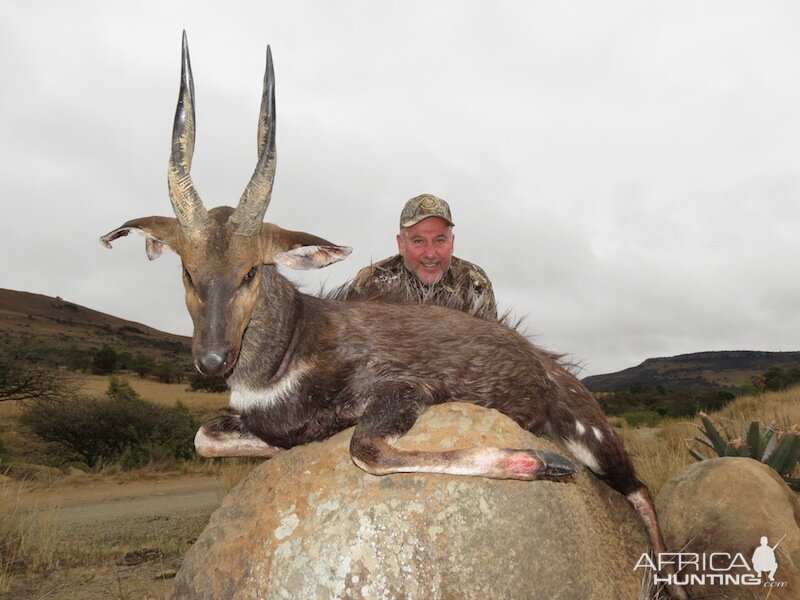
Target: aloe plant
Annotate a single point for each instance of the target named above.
(780, 449)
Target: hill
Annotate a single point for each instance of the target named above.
(697, 372)
(59, 332)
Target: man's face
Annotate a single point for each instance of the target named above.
(426, 248)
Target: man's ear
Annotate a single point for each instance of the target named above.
(158, 232)
(299, 250)
(400, 244)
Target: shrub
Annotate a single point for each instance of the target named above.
(104, 361)
(21, 378)
(168, 372)
(143, 365)
(118, 428)
(637, 418)
(198, 381)
(667, 403)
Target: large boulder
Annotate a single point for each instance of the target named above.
(723, 507)
(310, 524)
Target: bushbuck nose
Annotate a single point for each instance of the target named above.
(212, 363)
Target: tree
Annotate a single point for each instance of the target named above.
(143, 365)
(168, 372)
(21, 379)
(104, 361)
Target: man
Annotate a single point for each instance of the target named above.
(424, 269)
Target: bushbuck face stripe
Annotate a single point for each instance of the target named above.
(303, 368)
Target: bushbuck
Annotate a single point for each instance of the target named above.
(303, 368)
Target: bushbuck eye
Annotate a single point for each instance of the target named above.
(250, 274)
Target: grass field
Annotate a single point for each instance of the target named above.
(660, 452)
(35, 544)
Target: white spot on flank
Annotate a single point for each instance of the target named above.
(597, 433)
(584, 455)
(246, 398)
(579, 428)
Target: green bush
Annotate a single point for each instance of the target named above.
(776, 379)
(646, 418)
(120, 428)
(201, 382)
(666, 403)
(168, 372)
(143, 365)
(104, 361)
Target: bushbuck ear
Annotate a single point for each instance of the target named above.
(298, 250)
(312, 257)
(158, 232)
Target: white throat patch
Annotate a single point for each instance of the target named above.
(244, 398)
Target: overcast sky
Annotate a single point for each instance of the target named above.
(627, 173)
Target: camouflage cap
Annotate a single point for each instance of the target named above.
(422, 207)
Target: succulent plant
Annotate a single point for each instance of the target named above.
(778, 448)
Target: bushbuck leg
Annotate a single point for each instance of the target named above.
(393, 414)
(226, 436)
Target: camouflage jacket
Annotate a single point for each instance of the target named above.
(464, 286)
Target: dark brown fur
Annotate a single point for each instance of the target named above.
(367, 351)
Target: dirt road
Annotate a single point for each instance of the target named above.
(133, 531)
(85, 504)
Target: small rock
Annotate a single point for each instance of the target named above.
(137, 557)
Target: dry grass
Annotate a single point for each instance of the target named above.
(29, 536)
(233, 470)
(659, 453)
(780, 409)
(201, 404)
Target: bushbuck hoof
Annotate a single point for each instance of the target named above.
(555, 466)
(536, 464)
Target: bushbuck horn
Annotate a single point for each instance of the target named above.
(184, 197)
(248, 215)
